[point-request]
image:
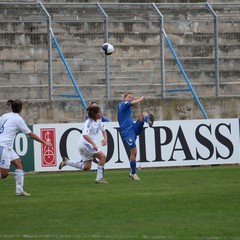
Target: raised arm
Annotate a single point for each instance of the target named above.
(137, 100)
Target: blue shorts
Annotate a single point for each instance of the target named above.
(131, 134)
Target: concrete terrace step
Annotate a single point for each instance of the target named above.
(81, 77)
(204, 90)
(204, 37)
(88, 91)
(99, 91)
(11, 52)
(81, 27)
(137, 93)
(116, 65)
(136, 76)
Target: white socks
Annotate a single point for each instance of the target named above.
(75, 164)
(19, 178)
(80, 165)
(99, 172)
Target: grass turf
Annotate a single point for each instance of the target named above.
(172, 203)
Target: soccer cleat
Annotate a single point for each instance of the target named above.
(134, 177)
(151, 120)
(23, 193)
(101, 181)
(63, 163)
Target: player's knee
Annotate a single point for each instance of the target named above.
(4, 175)
(18, 164)
(142, 116)
(133, 153)
(86, 168)
(102, 160)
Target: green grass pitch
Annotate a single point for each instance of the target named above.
(195, 203)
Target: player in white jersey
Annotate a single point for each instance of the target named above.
(94, 104)
(10, 124)
(87, 145)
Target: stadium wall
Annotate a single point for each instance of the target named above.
(71, 110)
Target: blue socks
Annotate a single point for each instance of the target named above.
(133, 166)
(146, 119)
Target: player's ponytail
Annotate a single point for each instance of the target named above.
(16, 105)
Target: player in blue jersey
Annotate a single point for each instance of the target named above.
(129, 129)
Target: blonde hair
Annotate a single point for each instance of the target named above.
(125, 94)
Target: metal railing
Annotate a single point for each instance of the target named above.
(205, 38)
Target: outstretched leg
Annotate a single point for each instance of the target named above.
(148, 118)
(76, 164)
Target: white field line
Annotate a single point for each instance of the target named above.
(28, 236)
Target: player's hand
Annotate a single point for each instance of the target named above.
(48, 144)
(104, 142)
(142, 98)
(95, 147)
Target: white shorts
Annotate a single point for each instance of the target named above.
(6, 156)
(86, 150)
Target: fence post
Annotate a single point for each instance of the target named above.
(106, 56)
(50, 89)
(216, 60)
(162, 59)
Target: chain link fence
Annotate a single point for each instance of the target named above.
(229, 47)
(205, 38)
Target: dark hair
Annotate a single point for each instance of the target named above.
(16, 105)
(90, 105)
(93, 111)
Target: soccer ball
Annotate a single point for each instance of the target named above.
(108, 48)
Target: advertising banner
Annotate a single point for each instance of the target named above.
(23, 145)
(167, 144)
